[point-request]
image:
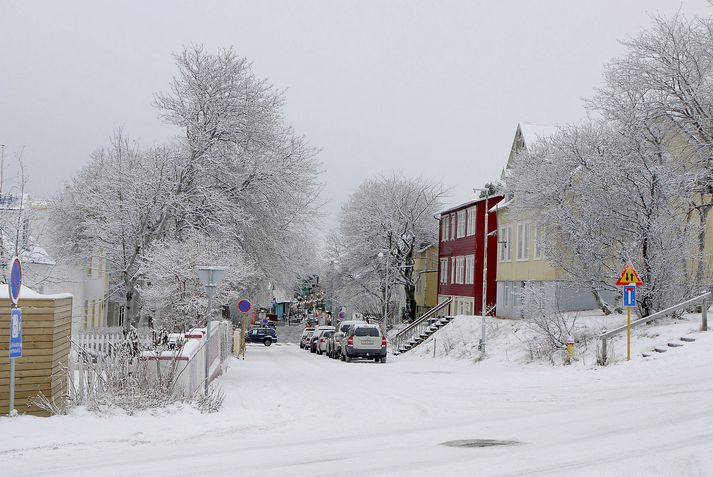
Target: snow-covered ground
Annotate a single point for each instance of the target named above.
(290, 413)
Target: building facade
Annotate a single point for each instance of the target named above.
(461, 256)
(425, 269)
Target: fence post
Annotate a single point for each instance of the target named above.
(704, 315)
(604, 352)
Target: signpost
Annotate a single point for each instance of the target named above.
(245, 306)
(14, 287)
(629, 280)
(209, 277)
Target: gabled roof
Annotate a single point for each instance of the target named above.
(531, 133)
(469, 203)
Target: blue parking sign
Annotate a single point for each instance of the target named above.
(629, 296)
(16, 333)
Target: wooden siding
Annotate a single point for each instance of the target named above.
(46, 329)
(472, 245)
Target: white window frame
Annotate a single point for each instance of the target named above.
(505, 242)
(444, 271)
(444, 228)
(523, 241)
(470, 217)
(453, 270)
(453, 226)
(539, 246)
(460, 270)
(469, 269)
(460, 231)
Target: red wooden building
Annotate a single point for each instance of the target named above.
(461, 257)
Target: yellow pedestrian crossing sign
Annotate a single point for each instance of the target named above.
(629, 276)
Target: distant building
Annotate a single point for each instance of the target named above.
(425, 271)
(461, 256)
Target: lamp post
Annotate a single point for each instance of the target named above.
(210, 277)
(386, 287)
(481, 345)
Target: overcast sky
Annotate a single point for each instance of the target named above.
(428, 88)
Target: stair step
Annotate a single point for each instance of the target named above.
(673, 344)
(687, 339)
(660, 350)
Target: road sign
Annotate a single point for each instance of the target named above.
(244, 305)
(15, 282)
(629, 295)
(16, 333)
(629, 276)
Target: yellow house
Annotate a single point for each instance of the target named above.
(425, 268)
(521, 251)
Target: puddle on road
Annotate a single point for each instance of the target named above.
(479, 443)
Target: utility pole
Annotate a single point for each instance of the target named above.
(210, 277)
(481, 345)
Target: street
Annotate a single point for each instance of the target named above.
(289, 412)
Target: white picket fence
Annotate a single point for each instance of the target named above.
(103, 340)
(186, 364)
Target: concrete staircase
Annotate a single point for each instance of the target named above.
(423, 335)
(670, 345)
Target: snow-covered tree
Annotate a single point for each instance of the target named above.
(665, 79)
(393, 216)
(238, 188)
(606, 195)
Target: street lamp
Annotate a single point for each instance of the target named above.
(481, 345)
(386, 287)
(210, 277)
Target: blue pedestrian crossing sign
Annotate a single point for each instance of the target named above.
(629, 296)
(16, 333)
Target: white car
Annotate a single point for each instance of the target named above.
(322, 340)
(303, 341)
(313, 341)
(364, 341)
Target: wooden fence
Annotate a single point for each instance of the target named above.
(46, 329)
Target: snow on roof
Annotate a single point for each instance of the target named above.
(500, 205)
(12, 201)
(469, 203)
(36, 254)
(532, 133)
(30, 294)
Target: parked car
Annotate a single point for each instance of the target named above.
(263, 335)
(334, 347)
(364, 341)
(324, 336)
(306, 335)
(315, 336)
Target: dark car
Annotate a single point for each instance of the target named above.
(266, 336)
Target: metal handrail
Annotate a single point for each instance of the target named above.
(704, 319)
(418, 322)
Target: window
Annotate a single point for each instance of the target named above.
(471, 221)
(89, 267)
(460, 270)
(469, 269)
(364, 331)
(444, 228)
(523, 240)
(86, 313)
(453, 269)
(453, 226)
(460, 232)
(539, 242)
(505, 240)
(94, 308)
(506, 293)
(444, 270)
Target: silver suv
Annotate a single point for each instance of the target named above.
(334, 347)
(364, 341)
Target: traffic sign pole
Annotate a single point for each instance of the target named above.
(14, 286)
(628, 333)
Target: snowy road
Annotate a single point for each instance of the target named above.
(289, 412)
